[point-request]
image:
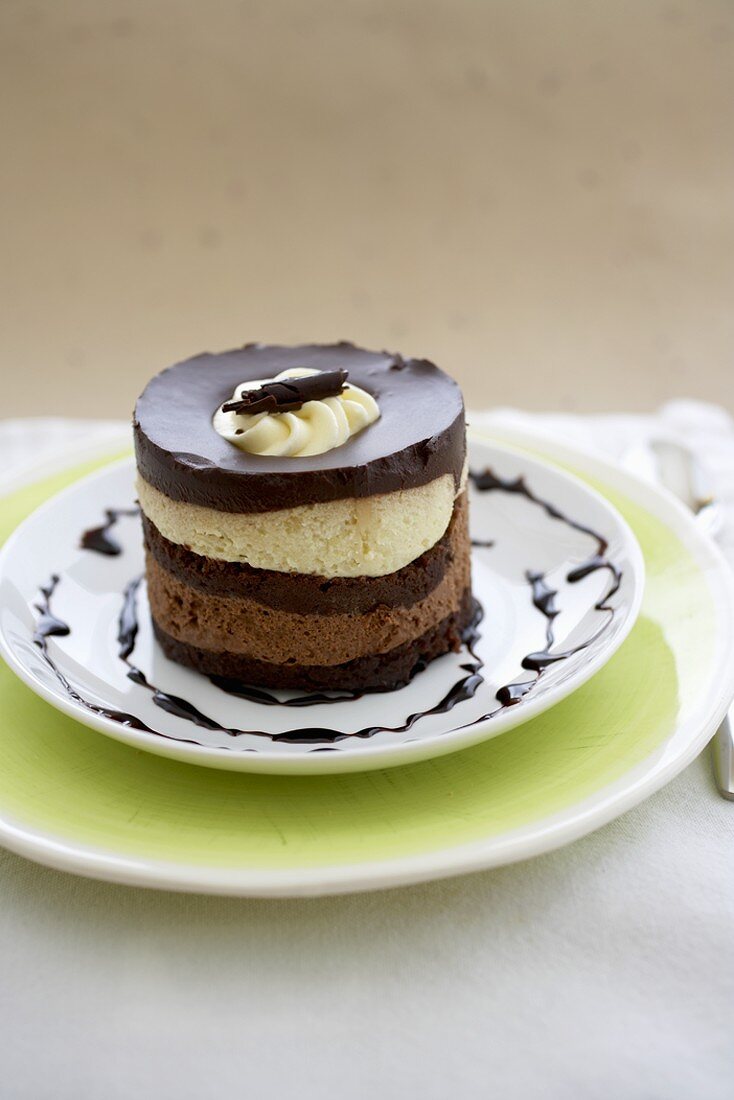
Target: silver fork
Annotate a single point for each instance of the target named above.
(679, 470)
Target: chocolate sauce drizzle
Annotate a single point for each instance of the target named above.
(544, 599)
(48, 626)
(99, 539)
(127, 631)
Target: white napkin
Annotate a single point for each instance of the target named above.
(604, 970)
(30, 443)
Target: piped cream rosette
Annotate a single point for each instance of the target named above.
(315, 428)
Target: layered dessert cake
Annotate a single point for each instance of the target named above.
(305, 515)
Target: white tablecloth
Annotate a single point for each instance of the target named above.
(604, 970)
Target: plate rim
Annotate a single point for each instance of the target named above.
(365, 757)
(543, 836)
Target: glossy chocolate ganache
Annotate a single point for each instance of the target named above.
(419, 436)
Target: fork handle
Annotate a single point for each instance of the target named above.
(722, 748)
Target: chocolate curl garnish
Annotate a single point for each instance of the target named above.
(290, 394)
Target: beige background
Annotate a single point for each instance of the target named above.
(536, 194)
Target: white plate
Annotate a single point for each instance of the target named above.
(85, 677)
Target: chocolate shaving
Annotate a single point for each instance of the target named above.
(290, 394)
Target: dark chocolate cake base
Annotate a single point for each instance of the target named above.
(378, 671)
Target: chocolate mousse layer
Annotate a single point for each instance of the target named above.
(419, 436)
(372, 672)
(241, 625)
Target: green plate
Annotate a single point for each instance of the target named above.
(77, 800)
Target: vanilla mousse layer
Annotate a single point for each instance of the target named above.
(353, 537)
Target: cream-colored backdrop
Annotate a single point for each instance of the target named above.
(536, 193)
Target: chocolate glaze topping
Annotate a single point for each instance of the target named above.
(419, 436)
